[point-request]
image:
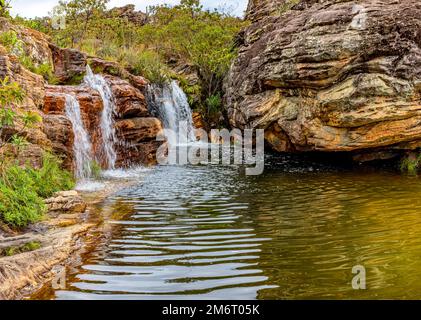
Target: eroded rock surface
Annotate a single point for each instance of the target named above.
(330, 75)
(65, 202)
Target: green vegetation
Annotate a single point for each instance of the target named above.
(181, 35)
(27, 247)
(96, 170)
(23, 188)
(14, 45)
(411, 163)
(4, 8)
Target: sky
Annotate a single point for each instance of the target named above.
(41, 8)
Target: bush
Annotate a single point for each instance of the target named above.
(147, 64)
(50, 178)
(20, 205)
(411, 163)
(22, 190)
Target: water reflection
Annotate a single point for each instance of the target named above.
(212, 233)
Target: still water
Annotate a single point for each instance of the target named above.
(210, 232)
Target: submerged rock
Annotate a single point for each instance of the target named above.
(330, 75)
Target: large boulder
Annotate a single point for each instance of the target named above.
(69, 64)
(330, 75)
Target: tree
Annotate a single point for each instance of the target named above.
(80, 15)
(4, 8)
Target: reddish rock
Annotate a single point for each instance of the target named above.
(90, 103)
(69, 64)
(59, 130)
(138, 130)
(130, 101)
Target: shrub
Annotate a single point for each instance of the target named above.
(27, 247)
(19, 202)
(148, 64)
(50, 178)
(411, 163)
(22, 190)
(96, 170)
(9, 39)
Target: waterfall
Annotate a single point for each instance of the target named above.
(82, 145)
(171, 105)
(98, 83)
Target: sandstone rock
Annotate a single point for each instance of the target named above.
(198, 121)
(137, 130)
(66, 202)
(330, 75)
(69, 64)
(114, 69)
(31, 83)
(58, 129)
(129, 12)
(34, 43)
(130, 101)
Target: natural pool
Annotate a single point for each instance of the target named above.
(209, 232)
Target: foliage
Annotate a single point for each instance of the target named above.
(4, 8)
(411, 163)
(27, 247)
(96, 170)
(19, 202)
(148, 64)
(22, 190)
(191, 35)
(50, 178)
(213, 106)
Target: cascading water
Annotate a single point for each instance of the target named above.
(82, 145)
(171, 105)
(98, 83)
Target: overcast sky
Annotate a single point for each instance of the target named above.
(41, 8)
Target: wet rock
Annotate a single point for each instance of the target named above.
(130, 101)
(330, 75)
(137, 130)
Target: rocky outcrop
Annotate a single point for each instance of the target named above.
(69, 64)
(32, 43)
(136, 129)
(330, 75)
(129, 12)
(130, 102)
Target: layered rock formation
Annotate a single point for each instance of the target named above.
(330, 75)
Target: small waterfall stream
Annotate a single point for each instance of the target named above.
(171, 105)
(82, 144)
(98, 83)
